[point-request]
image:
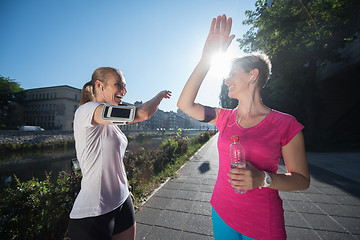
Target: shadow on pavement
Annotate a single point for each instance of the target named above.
(204, 167)
(335, 180)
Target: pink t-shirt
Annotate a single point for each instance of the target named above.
(258, 213)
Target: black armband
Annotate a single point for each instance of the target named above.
(210, 114)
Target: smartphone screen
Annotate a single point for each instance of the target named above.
(120, 113)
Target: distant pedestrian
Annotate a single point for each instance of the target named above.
(266, 134)
(104, 207)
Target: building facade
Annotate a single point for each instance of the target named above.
(51, 108)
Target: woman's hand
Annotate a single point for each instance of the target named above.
(132, 198)
(246, 178)
(219, 37)
(217, 40)
(164, 94)
(147, 109)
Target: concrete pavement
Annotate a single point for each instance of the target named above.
(329, 209)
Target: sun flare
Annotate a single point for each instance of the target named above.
(221, 64)
(219, 71)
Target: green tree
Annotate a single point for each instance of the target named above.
(300, 37)
(225, 100)
(11, 95)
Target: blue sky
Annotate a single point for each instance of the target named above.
(156, 44)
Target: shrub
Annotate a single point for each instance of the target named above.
(203, 137)
(140, 136)
(38, 209)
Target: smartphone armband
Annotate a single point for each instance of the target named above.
(118, 114)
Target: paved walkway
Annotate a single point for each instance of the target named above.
(329, 209)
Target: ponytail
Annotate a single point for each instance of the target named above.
(88, 90)
(87, 93)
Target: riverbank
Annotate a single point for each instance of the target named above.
(32, 154)
(31, 137)
(13, 144)
(14, 140)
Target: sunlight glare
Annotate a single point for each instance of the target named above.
(220, 65)
(219, 71)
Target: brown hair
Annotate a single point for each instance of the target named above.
(258, 60)
(101, 74)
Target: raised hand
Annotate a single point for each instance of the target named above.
(165, 94)
(219, 37)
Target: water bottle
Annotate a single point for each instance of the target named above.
(237, 156)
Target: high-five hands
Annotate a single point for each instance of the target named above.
(165, 94)
(219, 37)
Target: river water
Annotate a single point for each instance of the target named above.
(26, 165)
(36, 163)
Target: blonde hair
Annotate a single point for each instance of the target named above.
(88, 91)
(258, 60)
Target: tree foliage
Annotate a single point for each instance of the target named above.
(300, 37)
(10, 94)
(8, 90)
(225, 100)
(297, 26)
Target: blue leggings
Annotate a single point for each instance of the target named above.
(224, 231)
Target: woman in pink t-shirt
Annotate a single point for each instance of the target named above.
(266, 135)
